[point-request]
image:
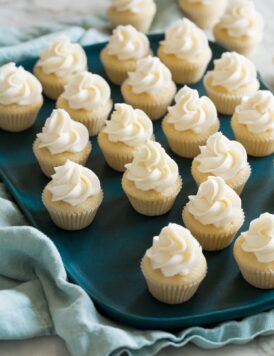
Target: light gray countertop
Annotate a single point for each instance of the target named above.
(29, 12)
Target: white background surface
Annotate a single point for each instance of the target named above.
(28, 12)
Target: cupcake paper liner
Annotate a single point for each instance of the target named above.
(210, 237)
(116, 69)
(16, 118)
(186, 143)
(159, 204)
(237, 183)
(204, 16)
(172, 293)
(154, 107)
(226, 102)
(53, 86)
(258, 274)
(259, 279)
(70, 220)
(184, 72)
(141, 22)
(238, 45)
(259, 145)
(115, 157)
(48, 162)
(93, 120)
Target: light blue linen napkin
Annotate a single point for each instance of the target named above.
(35, 296)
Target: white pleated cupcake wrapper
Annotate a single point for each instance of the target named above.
(212, 241)
(256, 148)
(70, 220)
(238, 186)
(259, 279)
(116, 75)
(186, 148)
(47, 167)
(189, 74)
(16, 122)
(141, 24)
(154, 112)
(93, 125)
(241, 47)
(171, 293)
(207, 21)
(225, 103)
(117, 161)
(153, 207)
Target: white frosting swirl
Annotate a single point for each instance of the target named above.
(259, 239)
(233, 71)
(150, 76)
(62, 134)
(17, 86)
(73, 184)
(152, 168)
(241, 19)
(257, 112)
(128, 125)
(127, 43)
(185, 40)
(215, 203)
(222, 157)
(191, 112)
(63, 58)
(86, 91)
(175, 251)
(135, 6)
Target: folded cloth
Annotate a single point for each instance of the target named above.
(35, 297)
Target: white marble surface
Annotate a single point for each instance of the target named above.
(20, 13)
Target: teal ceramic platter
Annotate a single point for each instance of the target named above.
(104, 258)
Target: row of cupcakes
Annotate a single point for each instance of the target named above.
(151, 179)
(63, 138)
(148, 86)
(174, 266)
(187, 125)
(236, 24)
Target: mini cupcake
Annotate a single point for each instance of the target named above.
(127, 129)
(214, 214)
(233, 77)
(254, 252)
(204, 12)
(125, 47)
(150, 87)
(224, 158)
(139, 14)
(240, 28)
(174, 266)
(61, 139)
(87, 99)
(185, 51)
(20, 98)
(189, 122)
(58, 63)
(73, 196)
(253, 123)
(151, 182)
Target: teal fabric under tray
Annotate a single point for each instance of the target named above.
(104, 258)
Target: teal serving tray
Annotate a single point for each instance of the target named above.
(104, 258)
